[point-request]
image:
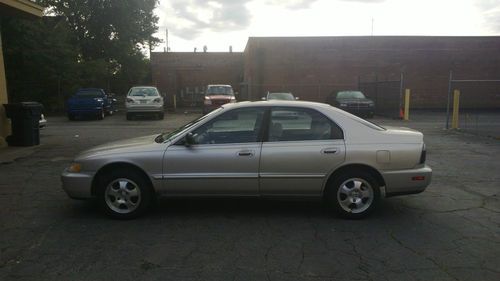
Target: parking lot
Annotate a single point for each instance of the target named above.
(449, 232)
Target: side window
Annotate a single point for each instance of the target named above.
(235, 126)
(296, 124)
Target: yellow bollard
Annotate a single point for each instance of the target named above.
(456, 105)
(407, 105)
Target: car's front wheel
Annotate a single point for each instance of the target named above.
(124, 194)
(101, 114)
(353, 195)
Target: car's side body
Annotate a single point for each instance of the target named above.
(89, 101)
(289, 168)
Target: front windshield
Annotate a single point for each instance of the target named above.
(168, 136)
(220, 90)
(350, 95)
(280, 96)
(143, 92)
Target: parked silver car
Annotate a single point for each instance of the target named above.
(142, 100)
(254, 149)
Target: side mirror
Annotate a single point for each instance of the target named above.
(189, 139)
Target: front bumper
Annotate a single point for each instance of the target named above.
(84, 111)
(359, 110)
(407, 181)
(137, 108)
(77, 185)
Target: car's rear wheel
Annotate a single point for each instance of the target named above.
(71, 116)
(353, 195)
(161, 116)
(124, 194)
(129, 116)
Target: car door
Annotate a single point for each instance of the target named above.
(224, 159)
(301, 149)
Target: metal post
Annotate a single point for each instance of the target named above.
(401, 92)
(456, 106)
(448, 102)
(407, 105)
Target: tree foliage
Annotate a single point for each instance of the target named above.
(80, 43)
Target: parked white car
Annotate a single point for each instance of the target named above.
(144, 100)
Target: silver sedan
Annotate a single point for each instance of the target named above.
(268, 149)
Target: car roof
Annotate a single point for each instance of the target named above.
(288, 103)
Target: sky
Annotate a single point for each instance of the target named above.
(218, 24)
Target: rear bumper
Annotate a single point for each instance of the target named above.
(407, 181)
(77, 185)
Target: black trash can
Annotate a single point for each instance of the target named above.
(25, 118)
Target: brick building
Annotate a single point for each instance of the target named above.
(313, 67)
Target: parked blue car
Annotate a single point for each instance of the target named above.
(90, 102)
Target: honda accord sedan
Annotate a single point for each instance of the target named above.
(254, 149)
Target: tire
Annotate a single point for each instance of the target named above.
(71, 117)
(353, 195)
(129, 116)
(161, 116)
(124, 194)
(101, 114)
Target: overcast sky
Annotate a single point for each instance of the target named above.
(221, 23)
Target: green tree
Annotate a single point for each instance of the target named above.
(82, 43)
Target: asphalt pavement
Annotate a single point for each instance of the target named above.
(449, 232)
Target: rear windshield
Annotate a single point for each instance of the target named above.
(143, 92)
(220, 90)
(350, 95)
(89, 94)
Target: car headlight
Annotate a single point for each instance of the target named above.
(157, 100)
(75, 168)
(343, 104)
(130, 100)
(371, 104)
(207, 101)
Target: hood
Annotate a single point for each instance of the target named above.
(220, 97)
(134, 145)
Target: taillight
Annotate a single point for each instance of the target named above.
(130, 100)
(423, 155)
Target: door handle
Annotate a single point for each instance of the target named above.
(329, 151)
(245, 153)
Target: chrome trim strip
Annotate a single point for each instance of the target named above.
(233, 175)
(211, 176)
(279, 176)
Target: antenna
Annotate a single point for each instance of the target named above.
(373, 20)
